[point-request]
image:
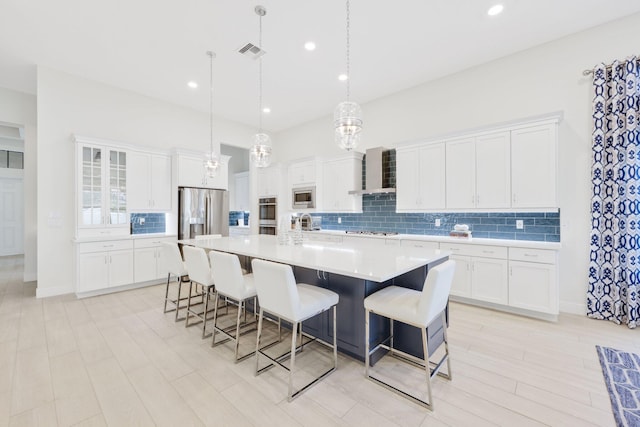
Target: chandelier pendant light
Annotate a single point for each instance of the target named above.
(211, 160)
(347, 117)
(260, 152)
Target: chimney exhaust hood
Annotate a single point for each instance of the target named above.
(374, 173)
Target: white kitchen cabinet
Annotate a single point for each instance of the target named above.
(302, 173)
(533, 282)
(190, 171)
(241, 200)
(101, 189)
(269, 181)
(461, 285)
(148, 262)
(339, 177)
(104, 264)
(420, 178)
(534, 166)
(149, 186)
(478, 172)
(421, 244)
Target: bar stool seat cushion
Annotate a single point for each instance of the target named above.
(314, 300)
(397, 303)
(248, 289)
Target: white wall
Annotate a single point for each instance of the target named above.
(71, 105)
(537, 81)
(20, 109)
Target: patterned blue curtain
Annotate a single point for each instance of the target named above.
(614, 270)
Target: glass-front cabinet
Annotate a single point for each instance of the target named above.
(102, 190)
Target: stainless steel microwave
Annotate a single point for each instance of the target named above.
(303, 197)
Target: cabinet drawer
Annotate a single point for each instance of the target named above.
(108, 245)
(544, 256)
(151, 243)
(420, 244)
(457, 248)
(489, 251)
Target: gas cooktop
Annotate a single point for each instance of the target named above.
(372, 233)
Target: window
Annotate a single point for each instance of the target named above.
(11, 159)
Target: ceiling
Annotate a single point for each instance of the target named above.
(154, 47)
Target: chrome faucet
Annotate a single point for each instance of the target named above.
(309, 222)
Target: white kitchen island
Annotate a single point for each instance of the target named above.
(354, 272)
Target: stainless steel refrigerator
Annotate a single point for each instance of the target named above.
(202, 211)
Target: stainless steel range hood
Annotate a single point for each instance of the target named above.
(374, 174)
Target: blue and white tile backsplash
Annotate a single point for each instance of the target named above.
(379, 214)
(234, 216)
(153, 223)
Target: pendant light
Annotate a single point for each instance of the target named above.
(211, 160)
(347, 117)
(260, 152)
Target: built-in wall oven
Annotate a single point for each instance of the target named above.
(267, 215)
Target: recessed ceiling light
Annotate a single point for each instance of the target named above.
(192, 85)
(343, 77)
(266, 110)
(310, 46)
(495, 10)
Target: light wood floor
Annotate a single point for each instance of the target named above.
(118, 360)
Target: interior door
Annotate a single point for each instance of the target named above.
(11, 217)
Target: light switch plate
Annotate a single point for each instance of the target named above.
(339, 220)
(519, 224)
(437, 222)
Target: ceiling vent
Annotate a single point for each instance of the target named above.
(251, 51)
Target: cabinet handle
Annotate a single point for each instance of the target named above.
(107, 246)
(514, 197)
(511, 271)
(105, 259)
(488, 252)
(324, 276)
(110, 259)
(478, 199)
(473, 200)
(531, 255)
(318, 274)
(454, 249)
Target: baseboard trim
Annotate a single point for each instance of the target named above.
(53, 291)
(573, 308)
(512, 310)
(105, 291)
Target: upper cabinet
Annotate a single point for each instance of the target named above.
(270, 181)
(340, 176)
(478, 172)
(241, 192)
(302, 173)
(149, 185)
(534, 165)
(101, 188)
(420, 178)
(190, 171)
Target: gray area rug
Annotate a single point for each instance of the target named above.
(621, 372)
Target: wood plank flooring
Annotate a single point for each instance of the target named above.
(117, 360)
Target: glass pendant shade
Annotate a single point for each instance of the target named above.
(260, 152)
(211, 164)
(347, 119)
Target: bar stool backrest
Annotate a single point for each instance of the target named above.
(173, 260)
(198, 265)
(226, 273)
(435, 292)
(276, 288)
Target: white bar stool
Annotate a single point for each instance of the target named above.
(232, 284)
(200, 273)
(279, 295)
(175, 266)
(415, 308)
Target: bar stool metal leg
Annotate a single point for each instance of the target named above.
(294, 341)
(166, 293)
(425, 348)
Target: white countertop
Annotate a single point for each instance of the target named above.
(446, 239)
(377, 264)
(122, 237)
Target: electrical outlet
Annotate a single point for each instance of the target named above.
(141, 221)
(519, 224)
(437, 222)
(339, 220)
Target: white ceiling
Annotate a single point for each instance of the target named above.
(155, 47)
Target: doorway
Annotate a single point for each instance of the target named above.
(11, 190)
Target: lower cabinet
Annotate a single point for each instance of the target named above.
(533, 283)
(147, 256)
(104, 264)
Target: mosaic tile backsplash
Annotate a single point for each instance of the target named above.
(153, 223)
(379, 214)
(234, 216)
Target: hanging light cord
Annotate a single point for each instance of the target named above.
(260, 79)
(348, 49)
(211, 99)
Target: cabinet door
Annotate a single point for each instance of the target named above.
(120, 267)
(461, 173)
(533, 286)
(432, 188)
(160, 184)
(493, 171)
(92, 175)
(117, 188)
(349, 313)
(407, 180)
(533, 166)
(489, 280)
(338, 178)
(145, 268)
(302, 173)
(241, 197)
(190, 172)
(461, 285)
(93, 271)
(139, 182)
